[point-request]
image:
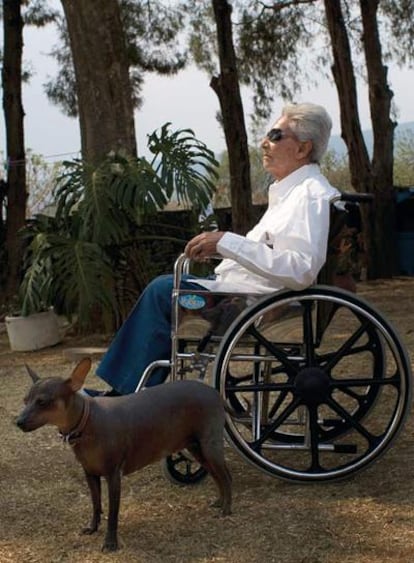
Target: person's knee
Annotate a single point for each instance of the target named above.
(162, 285)
(158, 294)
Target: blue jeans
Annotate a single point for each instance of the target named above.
(144, 337)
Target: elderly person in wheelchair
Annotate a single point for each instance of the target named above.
(286, 249)
(316, 383)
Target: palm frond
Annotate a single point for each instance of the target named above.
(186, 166)
(85, 277)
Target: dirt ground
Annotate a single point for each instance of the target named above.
(44, 500)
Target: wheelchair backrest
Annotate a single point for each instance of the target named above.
(337, 227)
(343, 218)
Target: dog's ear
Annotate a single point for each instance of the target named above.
(79, 374)
(33, 375)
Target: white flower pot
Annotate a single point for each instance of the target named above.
(33, 332)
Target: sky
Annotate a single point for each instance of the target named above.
(186, 100)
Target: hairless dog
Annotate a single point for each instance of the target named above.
(114, 436)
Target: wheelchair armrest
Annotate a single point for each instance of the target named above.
(349, 197)
(183, 264)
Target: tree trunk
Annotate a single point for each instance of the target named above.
(365, 177)
(106, 112)
(382, 261)
(226, 86)
(16, 195)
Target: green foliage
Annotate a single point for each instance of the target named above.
(40, 178)
(36, 284)
(151, 31)
(38, 13)
(397, 20)
(202, 34)
(271, 41)
(336, 168)
(185, 167)
(79, 259)
(404, 159)
(71, 274)
(61, 90)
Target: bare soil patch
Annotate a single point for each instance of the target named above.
(44, 500)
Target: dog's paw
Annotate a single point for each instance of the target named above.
(109, 546)
(225, 507)
(89, 530)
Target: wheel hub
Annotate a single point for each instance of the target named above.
(312, 385)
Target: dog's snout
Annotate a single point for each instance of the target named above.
(20, 425)
(20, 422)
(24, 422)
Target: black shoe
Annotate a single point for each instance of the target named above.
(111, 393)
(91, 392)
(96, 393)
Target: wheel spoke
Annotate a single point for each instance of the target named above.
(314, 441)
(277, 422)
(363, 382)
(308, 335)
(336, 407)
(346, 347)
(324, 359)
(351, 393)
(277, 352)
(257, 387)
(279, 401)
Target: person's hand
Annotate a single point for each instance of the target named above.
(202, 246)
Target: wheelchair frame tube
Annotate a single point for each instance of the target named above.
(181, 266)
(148, 370)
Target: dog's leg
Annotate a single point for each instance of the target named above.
(211, 457)
(94, 484)
(221, 475)
(114, 496)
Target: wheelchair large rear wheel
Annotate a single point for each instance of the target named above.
(312, 404)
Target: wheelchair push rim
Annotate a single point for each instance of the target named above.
(311, 405)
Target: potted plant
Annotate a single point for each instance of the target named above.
(76, 257)
(33, 323)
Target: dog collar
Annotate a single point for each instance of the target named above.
(75, 435)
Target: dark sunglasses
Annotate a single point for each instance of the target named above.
(276, 134)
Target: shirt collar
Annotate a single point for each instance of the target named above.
(281, 188)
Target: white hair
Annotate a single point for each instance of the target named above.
(310, 122)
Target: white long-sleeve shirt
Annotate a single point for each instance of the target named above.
(287, 247)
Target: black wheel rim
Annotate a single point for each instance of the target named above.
(183, 469)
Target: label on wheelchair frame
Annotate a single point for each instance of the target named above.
(191, 301)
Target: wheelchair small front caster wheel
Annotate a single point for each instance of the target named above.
(183, 469)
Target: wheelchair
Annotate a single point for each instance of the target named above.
(316, 383)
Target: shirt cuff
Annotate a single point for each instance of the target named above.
(230, 244)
